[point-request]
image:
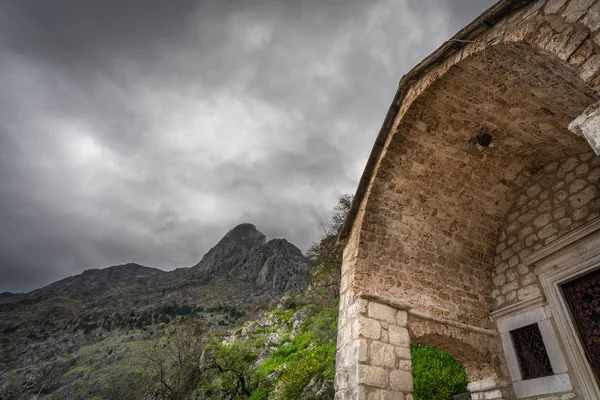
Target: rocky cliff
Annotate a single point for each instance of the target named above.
(240, 276)
(245, 254)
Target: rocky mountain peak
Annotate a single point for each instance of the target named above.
(244, 253)
(284, 247)
(237, 242)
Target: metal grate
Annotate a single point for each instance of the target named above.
(583, 297)
(531, 352)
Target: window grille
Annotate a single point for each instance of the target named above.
(531, 352)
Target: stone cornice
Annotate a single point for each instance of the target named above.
(456, 324)
(421, 315)
(384, 300)
(563, 242)
(518, 308)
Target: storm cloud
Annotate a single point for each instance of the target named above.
(142, 131)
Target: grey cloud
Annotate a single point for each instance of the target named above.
(141, 131)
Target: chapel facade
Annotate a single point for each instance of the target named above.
(475, 228)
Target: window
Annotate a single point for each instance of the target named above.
(531, 353)
(559, 266)
(535, 361)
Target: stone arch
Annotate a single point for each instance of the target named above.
(562, 30)
(431, 205)
(437, 202)
(470, 349)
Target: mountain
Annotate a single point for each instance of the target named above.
(93, 282)
(240, 276)
(8, 297)
(237, 243)
(245, 254)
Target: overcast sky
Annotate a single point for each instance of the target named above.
(143, 130)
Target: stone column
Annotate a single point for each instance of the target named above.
(373, 356)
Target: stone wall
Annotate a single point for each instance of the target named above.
(428, 222)
(373, 359)
(560, 197)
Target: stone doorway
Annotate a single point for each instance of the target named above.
(583, 299)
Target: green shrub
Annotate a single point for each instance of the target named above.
(230, 370)
(310, 354)
(436, 375)
(284, 315)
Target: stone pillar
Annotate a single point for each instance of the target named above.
(373, 355)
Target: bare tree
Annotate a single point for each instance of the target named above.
(326, 254)
(175, 360)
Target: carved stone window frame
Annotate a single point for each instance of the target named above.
(517, 316)
(565, 259)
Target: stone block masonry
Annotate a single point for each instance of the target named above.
(373, 351)
(443, 224)
(559, 198)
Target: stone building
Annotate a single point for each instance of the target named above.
(475, 228)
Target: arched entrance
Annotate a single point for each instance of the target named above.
(436, 374)
(419, 263)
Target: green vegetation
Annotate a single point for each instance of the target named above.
(141, 319)
(309, 355)
(272, 359)
(174, 360)
(111, 368)
(175, 352)
(230, 370)
(436, 375)
(326, 254)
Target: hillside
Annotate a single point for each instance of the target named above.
(219, 330)
(237, 279)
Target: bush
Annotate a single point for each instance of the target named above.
(229, 370)
(436, 375)
(311, 354)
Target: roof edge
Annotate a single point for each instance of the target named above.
(490, 17)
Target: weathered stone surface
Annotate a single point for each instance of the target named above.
(373, 376)
(382, 312)
(576, 9)
(502, 267)
(401, 318)
(546, 227)
(582, 54)
(382, 354)
(500, 280)
(542, 220)
(584, 197)
(588, 123)
(445, 225)
(403, 353)
(590, 67)
(401, 381)
(381, 394)
(528, 292)
(357, 308)
(554, 6)
(366, 327)
(398, 336)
